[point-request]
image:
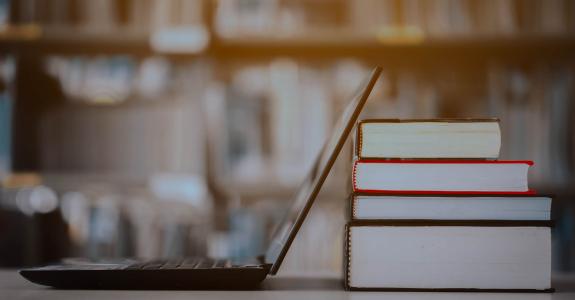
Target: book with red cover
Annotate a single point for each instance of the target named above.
(441, 176)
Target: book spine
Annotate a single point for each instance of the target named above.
(353, 206)
(354, 177)
(347, 251)
(359, 140)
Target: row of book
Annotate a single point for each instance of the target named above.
(103, 222)
(464, 17)
(535, 105)
(432, 208)
(112, 79)
(142, 16)
(103, 96)
(409, 17)
(389, 18)
(258, 124)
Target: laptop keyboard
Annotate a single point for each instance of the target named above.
(188, 263)
(158, 264)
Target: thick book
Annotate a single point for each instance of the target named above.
(450, 207)
(441, 176)
(429, 138)
(449, 256)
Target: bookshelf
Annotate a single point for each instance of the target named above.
(450, 59)
(390, 32)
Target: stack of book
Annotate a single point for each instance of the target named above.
(433, 209)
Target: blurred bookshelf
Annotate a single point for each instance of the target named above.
(376, 31)
(234, 99)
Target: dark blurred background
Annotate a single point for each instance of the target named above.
(170, 128)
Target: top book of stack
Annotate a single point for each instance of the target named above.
(428, 139)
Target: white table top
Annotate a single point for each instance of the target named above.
(12, 286)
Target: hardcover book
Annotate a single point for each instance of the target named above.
(449, 255)
(450, 207)
(441, 176)
(429, 138)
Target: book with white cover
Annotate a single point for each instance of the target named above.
(450, 207)
(429, 138)
(441, 176)
(449, 256)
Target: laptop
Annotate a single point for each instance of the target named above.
(207, 273)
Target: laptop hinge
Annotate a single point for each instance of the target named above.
(262, 260)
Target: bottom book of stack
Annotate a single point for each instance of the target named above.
(487, 253)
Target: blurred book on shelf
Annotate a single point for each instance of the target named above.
(537, 104)
(389, 20)
(276, 119)
(181, 26)
(7, 69)
(106, 15)
(104, 129)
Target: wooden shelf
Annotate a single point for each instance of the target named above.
(317, 45)
(20, 33)
(34, 40)
(391, 52)
(78, 42)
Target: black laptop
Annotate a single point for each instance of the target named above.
(206, 273)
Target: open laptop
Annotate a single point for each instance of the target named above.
(206, 273)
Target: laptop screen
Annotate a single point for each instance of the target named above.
(305, 196)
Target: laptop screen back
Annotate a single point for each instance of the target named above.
(308, 191)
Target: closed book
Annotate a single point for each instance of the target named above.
(429, 138)
(450, 207)
(449, 255)
(441, 176)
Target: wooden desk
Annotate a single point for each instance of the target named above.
(14, 287)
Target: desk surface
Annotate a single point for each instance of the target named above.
(12, 286)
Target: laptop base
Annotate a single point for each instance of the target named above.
(160, 278)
